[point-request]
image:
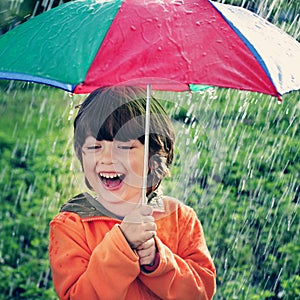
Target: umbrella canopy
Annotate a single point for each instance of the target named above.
(172, 45)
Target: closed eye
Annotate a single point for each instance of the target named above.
(95, 147)
(125, 147)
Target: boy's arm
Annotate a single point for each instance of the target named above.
(79, 273)
(190, 271)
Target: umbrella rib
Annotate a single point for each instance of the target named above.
(42, 80)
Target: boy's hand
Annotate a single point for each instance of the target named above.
(139, 227)
(147, 252)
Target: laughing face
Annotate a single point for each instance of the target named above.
(114, 169)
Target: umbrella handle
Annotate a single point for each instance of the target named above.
(146, 144)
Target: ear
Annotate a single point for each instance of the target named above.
(158, 166)
(153, 163)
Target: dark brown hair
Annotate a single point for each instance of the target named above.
(119, 113)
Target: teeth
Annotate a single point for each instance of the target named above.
(110, 176)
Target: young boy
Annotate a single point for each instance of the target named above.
(109, 245)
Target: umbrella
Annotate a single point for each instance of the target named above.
(82, 45)
(172, 45)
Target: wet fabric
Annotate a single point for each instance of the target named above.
(91, 259)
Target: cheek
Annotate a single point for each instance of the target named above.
(88, 163)
(137, 168)
(137, 164)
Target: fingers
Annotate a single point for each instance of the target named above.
(145, 210)
(142, 214)
(146, 245)
(138, 226)
(148, 233)
(146, 252)
(148, 219)
(145, 237)
(150, 226)
(147, 259)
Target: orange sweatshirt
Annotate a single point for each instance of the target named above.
(91, 259)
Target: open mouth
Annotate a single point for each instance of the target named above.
(111, 181)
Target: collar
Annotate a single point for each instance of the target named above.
(87, 206)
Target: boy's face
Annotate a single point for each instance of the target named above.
(114, 169)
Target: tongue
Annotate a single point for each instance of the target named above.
(112, 183)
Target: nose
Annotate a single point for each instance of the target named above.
(106, 153)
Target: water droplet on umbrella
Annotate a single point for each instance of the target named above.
(178, 2)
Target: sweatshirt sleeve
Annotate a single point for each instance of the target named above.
(187, 271)
(80, 273)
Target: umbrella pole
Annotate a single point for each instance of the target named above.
(146, 144)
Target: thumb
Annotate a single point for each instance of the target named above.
(145, 210)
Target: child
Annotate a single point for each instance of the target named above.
(109, 246)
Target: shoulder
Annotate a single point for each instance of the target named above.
(173, 206)
(79, 205)
(72, 212)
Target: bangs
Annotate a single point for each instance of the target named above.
(123, 124)
(112, 119)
